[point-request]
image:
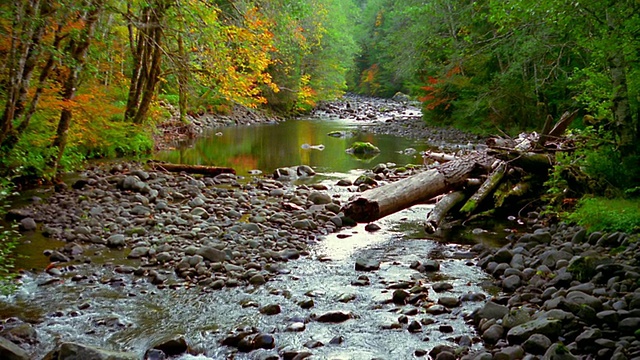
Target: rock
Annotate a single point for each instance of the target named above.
(511, 283)
(264, 341)
(319, 198)
(116, 240)
(371, 227)
(537, 344)
(441, 287)
(306, 304)
(490, 310)
(558, 352)
(11, 351)
(400, 296)
(271, 309)
(509, 353)
(431, 266)
(367, 264)
(333, 317)
(414, 327)
(629, 325)
(493, 334)
(580, 298)
(257, 279)
(72, 351)
(296, 327)
(138, 252)
(448, 301)
(28, 224)
(171, 346)
(550, 328)
(212, 254)
(57, 256)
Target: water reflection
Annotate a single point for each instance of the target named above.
(267, 147)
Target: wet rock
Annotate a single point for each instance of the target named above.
(306, 303)
(363, 264)
(511, 283)
(271, 309)
(400, 296)
(71, 351)
(257, 279)
(441, 287)
(431, 266)
(336, 340)
(296, 327)
(11, 351)
(155, 354)
(18, 331)
(171, 346)
(333, 317)
(629, 325)
(138, 252)
(264, 341)
(414, 327)
(449, 302)
(371, 227)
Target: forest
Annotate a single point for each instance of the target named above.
(93, 78)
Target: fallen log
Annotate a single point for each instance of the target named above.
(390, 198)
(193, 169)
(485, 189)
(441, 209)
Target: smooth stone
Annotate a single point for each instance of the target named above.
(367, 264)
(271, 309)
(116, 240)
(537, 344)
(441, 287)
(558, 352)
(11, 351)
(334, 317)
(70, 350)
(493, 334)
(551, 328)
(28, 224)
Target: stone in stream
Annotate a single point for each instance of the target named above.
(441, 287)
(11, 351)
(116, 240)
(363, 264)
(171, 346)
(333, 317)
(271, 309)
(70, 350)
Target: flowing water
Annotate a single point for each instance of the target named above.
(118, 315)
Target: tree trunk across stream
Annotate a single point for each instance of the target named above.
(145, 261)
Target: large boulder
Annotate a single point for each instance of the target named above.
(74, 351)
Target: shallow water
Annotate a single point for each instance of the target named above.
(268, 147)
(118, 315)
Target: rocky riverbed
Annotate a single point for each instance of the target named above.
(554, 292)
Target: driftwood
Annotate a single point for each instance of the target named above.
(487, 188)
(376, 203)
(193, 169)
(441, 209)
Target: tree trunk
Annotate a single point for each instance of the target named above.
(77, 50)
(147, 57)
(487, 188)
(29, 27)
(388, 199)
(194, 169)
(625, 127)
(441, 209)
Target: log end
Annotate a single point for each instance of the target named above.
(362, 210)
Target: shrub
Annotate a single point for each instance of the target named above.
(607, 215)
(8, 241)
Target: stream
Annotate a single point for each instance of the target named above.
(132, 314)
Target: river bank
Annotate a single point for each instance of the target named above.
(251, 249)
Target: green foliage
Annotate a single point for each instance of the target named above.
(607, 215)
(8, 241)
